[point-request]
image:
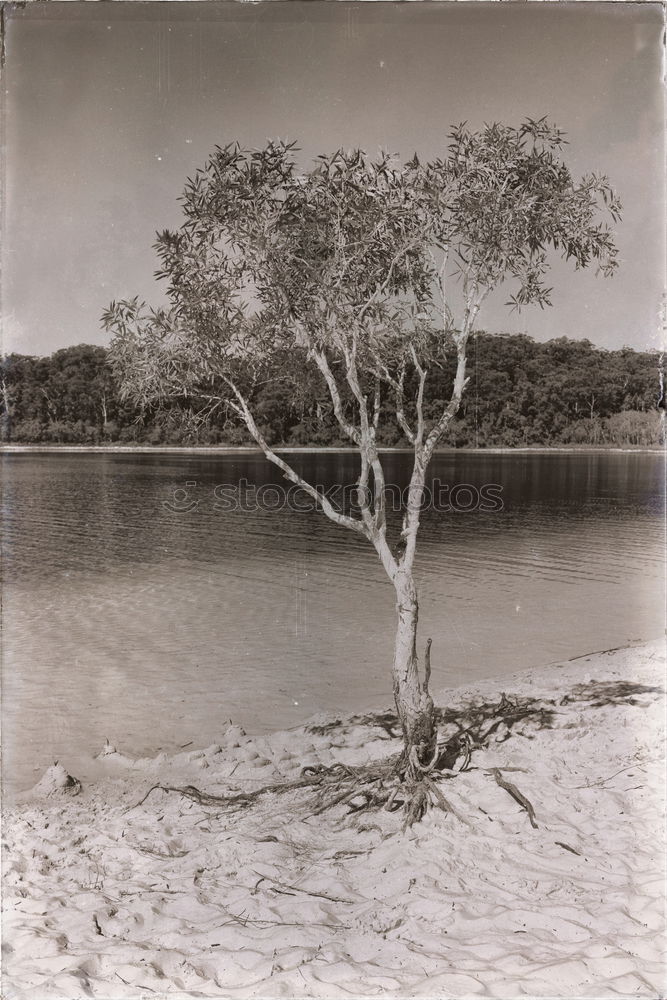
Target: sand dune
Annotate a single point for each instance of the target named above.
(107, 898)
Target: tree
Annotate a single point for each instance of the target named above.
(22, 397)
(346, 268)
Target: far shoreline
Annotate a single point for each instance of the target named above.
(219, 449)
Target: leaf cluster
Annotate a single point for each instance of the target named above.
(349, 261)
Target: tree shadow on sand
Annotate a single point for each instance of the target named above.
(478, 722)
(601, 693)
(477, 719)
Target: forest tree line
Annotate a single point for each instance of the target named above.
(520, 393)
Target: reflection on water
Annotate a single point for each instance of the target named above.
(128, 620)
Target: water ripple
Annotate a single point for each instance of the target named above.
(122, 618)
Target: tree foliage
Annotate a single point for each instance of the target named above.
(347, 265)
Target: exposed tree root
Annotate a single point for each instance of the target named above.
(402, 781)
(375, 786)
(206, 799)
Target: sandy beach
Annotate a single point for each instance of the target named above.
(106, 895)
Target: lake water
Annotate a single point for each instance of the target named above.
(147, 615)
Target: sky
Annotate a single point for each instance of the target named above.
(108, 108)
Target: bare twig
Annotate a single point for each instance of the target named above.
(307, 892)
(567, 847)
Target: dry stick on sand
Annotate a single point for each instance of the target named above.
(515, 793)
(567, 847)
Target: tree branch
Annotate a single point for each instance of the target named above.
(419, 436)
(322, 363)
(367, 444)
(376, 406)
(473, 305)
(400, 406)
(241, 407)
(373, 517)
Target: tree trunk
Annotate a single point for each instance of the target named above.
(413, 702)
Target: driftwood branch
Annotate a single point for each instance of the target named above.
(516, 795)
(427, 665)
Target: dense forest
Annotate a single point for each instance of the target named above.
(520, 393)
